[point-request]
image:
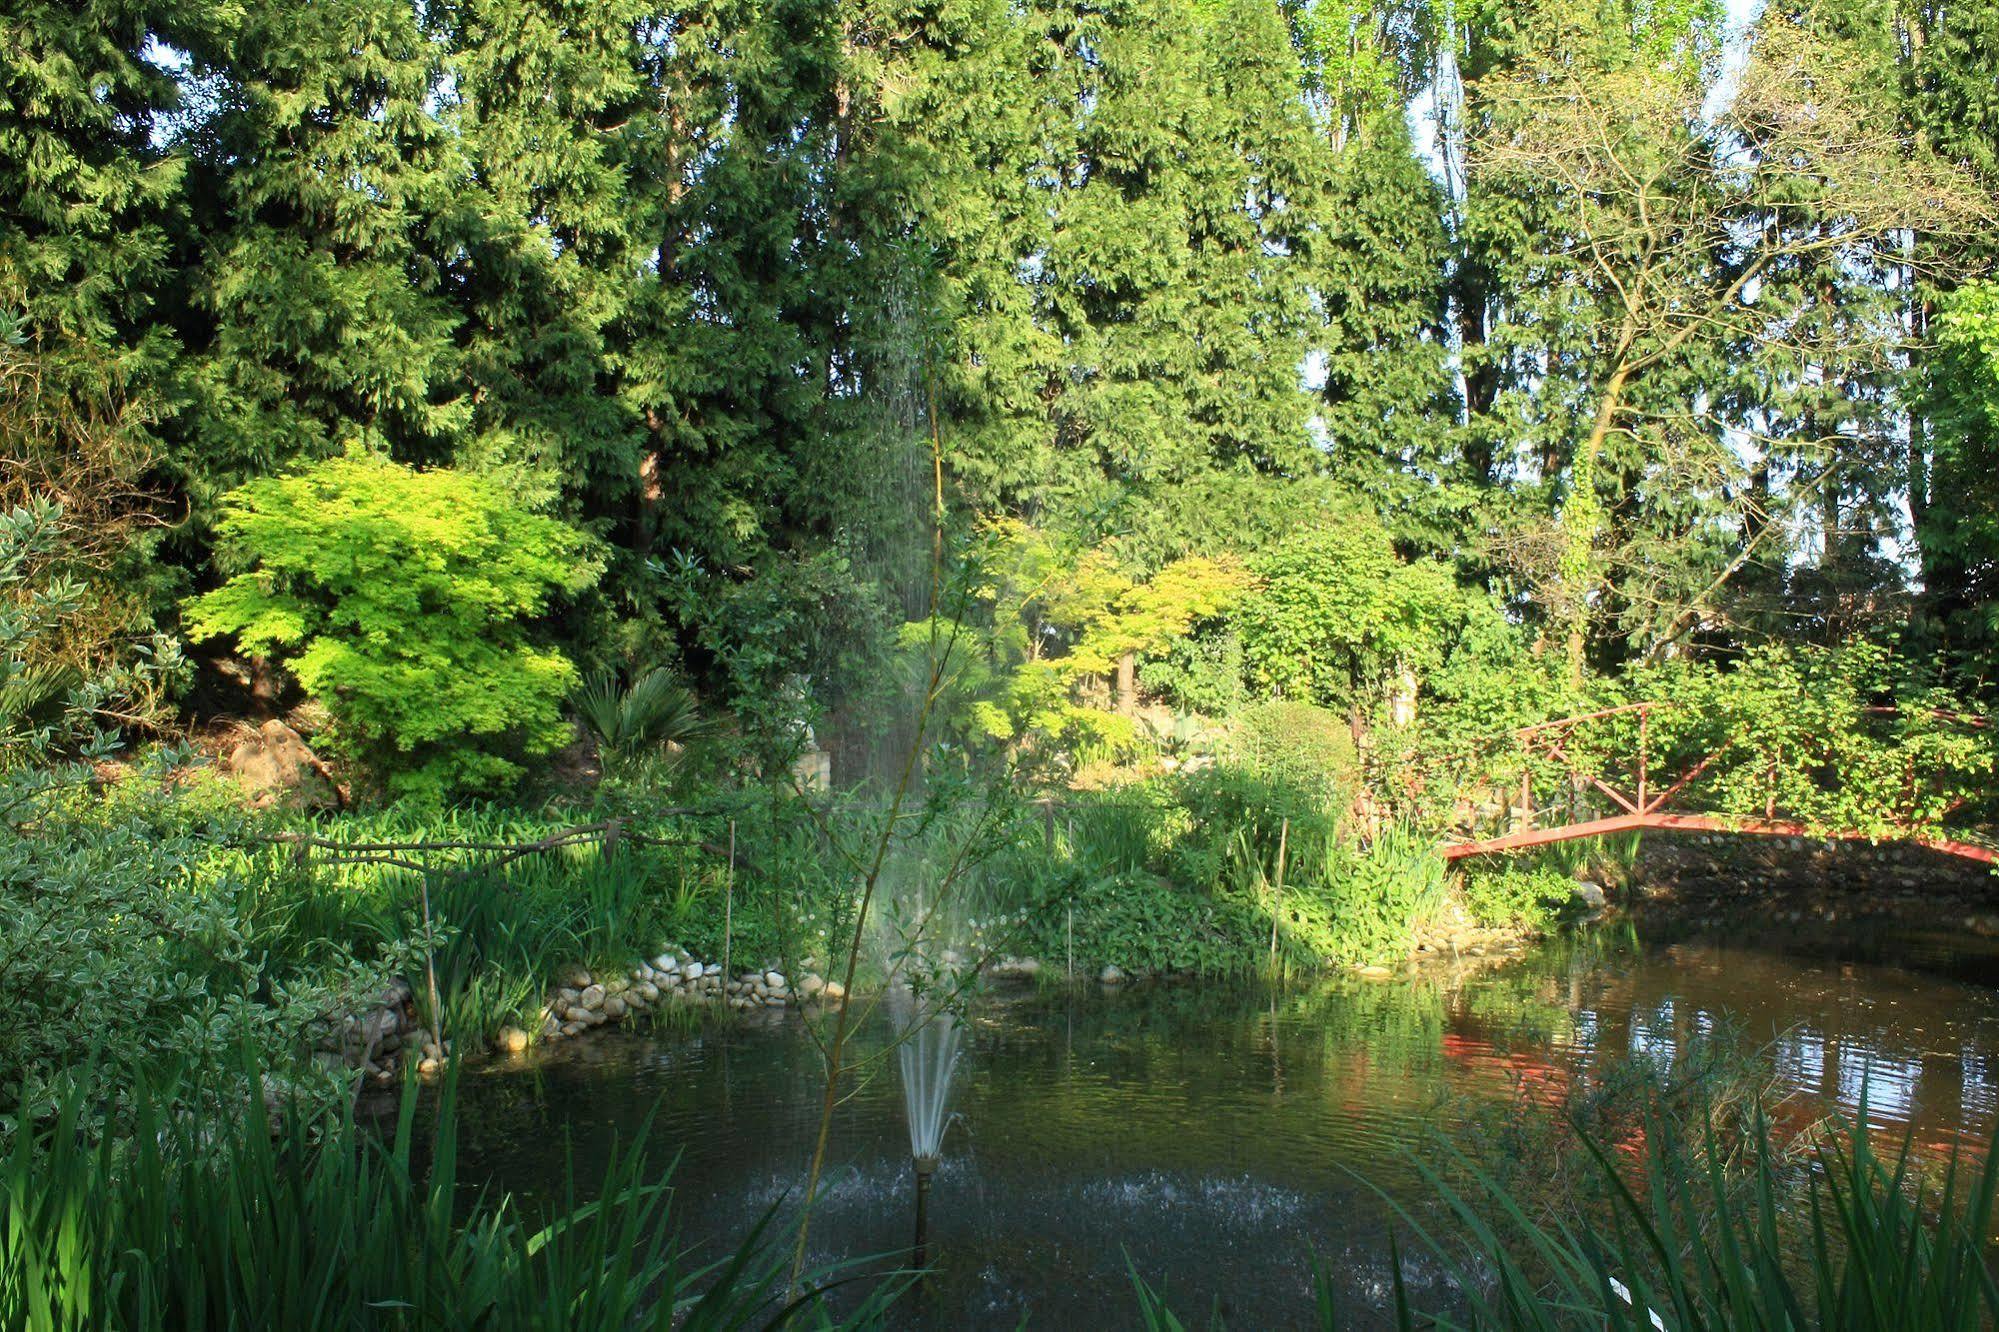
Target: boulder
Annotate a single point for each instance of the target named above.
(513, 1040)
(1112, 974)
(275, 769)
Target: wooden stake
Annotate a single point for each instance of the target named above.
(729, 907)
(1277, 895)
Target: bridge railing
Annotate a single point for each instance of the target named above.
(1858, 772)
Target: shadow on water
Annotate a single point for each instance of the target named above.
(1215, 1133)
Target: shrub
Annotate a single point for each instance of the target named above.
(398, 598)
(1532, 896)
(1297, 745)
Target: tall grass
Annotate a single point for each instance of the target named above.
(1852, 1241)
(201, 1223)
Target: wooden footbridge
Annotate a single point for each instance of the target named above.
(1652, 766)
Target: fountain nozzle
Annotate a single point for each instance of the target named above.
(919, 1251)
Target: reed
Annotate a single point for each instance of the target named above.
(1854, 1241)
(201, 1222)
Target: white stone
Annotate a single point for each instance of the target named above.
(1112, 974)
(648, 991)
(593, 997)
(615, 1007)
(712, 969)
(576, 1013)
(513, 1040)
(774, 979)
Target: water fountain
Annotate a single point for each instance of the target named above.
(928, 1056)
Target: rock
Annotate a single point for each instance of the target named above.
(1374, 972)
(774, 979)
(576, 1013)
(276, 769)
(1112, 974)
(712, 969)
(811, 985)
(568, 995)
(398, 994)
(513, 1040)
(428, 1066)
(576, 978)
(666, 962)
(617, 985)
(615, 1007)
(834, 991)
(593, 997)
(1589, 896)
(647, 991)
(572, 1028)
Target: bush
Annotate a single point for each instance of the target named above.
(1298, 745)
(397, 597)
(1532, 896)
(1141, 922)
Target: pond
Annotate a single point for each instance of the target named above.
(1218, 1138)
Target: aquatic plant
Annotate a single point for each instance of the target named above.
(1870, 1246)
(211, 1220)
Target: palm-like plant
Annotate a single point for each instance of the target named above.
(655, 714)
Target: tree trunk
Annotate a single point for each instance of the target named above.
(1127, 684)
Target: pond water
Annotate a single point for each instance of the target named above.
(1219, 1137)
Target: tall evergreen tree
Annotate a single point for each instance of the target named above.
(318, 312)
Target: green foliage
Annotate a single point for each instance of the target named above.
(398, 598)
(1824, 736)
(1532, 897)
(228, 1219)
(1337, 609)
(652, 720)
(1297, 745)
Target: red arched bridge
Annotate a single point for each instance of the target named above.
(1671, 767)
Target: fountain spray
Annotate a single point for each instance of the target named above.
(928, 1056)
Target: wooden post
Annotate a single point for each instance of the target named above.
(430, 967)
(1644, 733)
(729, 907)
(612, 831)
(1277, 894)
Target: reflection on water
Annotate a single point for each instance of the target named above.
(1220, 1136)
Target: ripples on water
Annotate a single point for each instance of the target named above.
(1222, 1135)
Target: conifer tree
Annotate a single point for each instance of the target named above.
(318, 310)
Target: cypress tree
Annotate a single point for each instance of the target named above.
(318, 313)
